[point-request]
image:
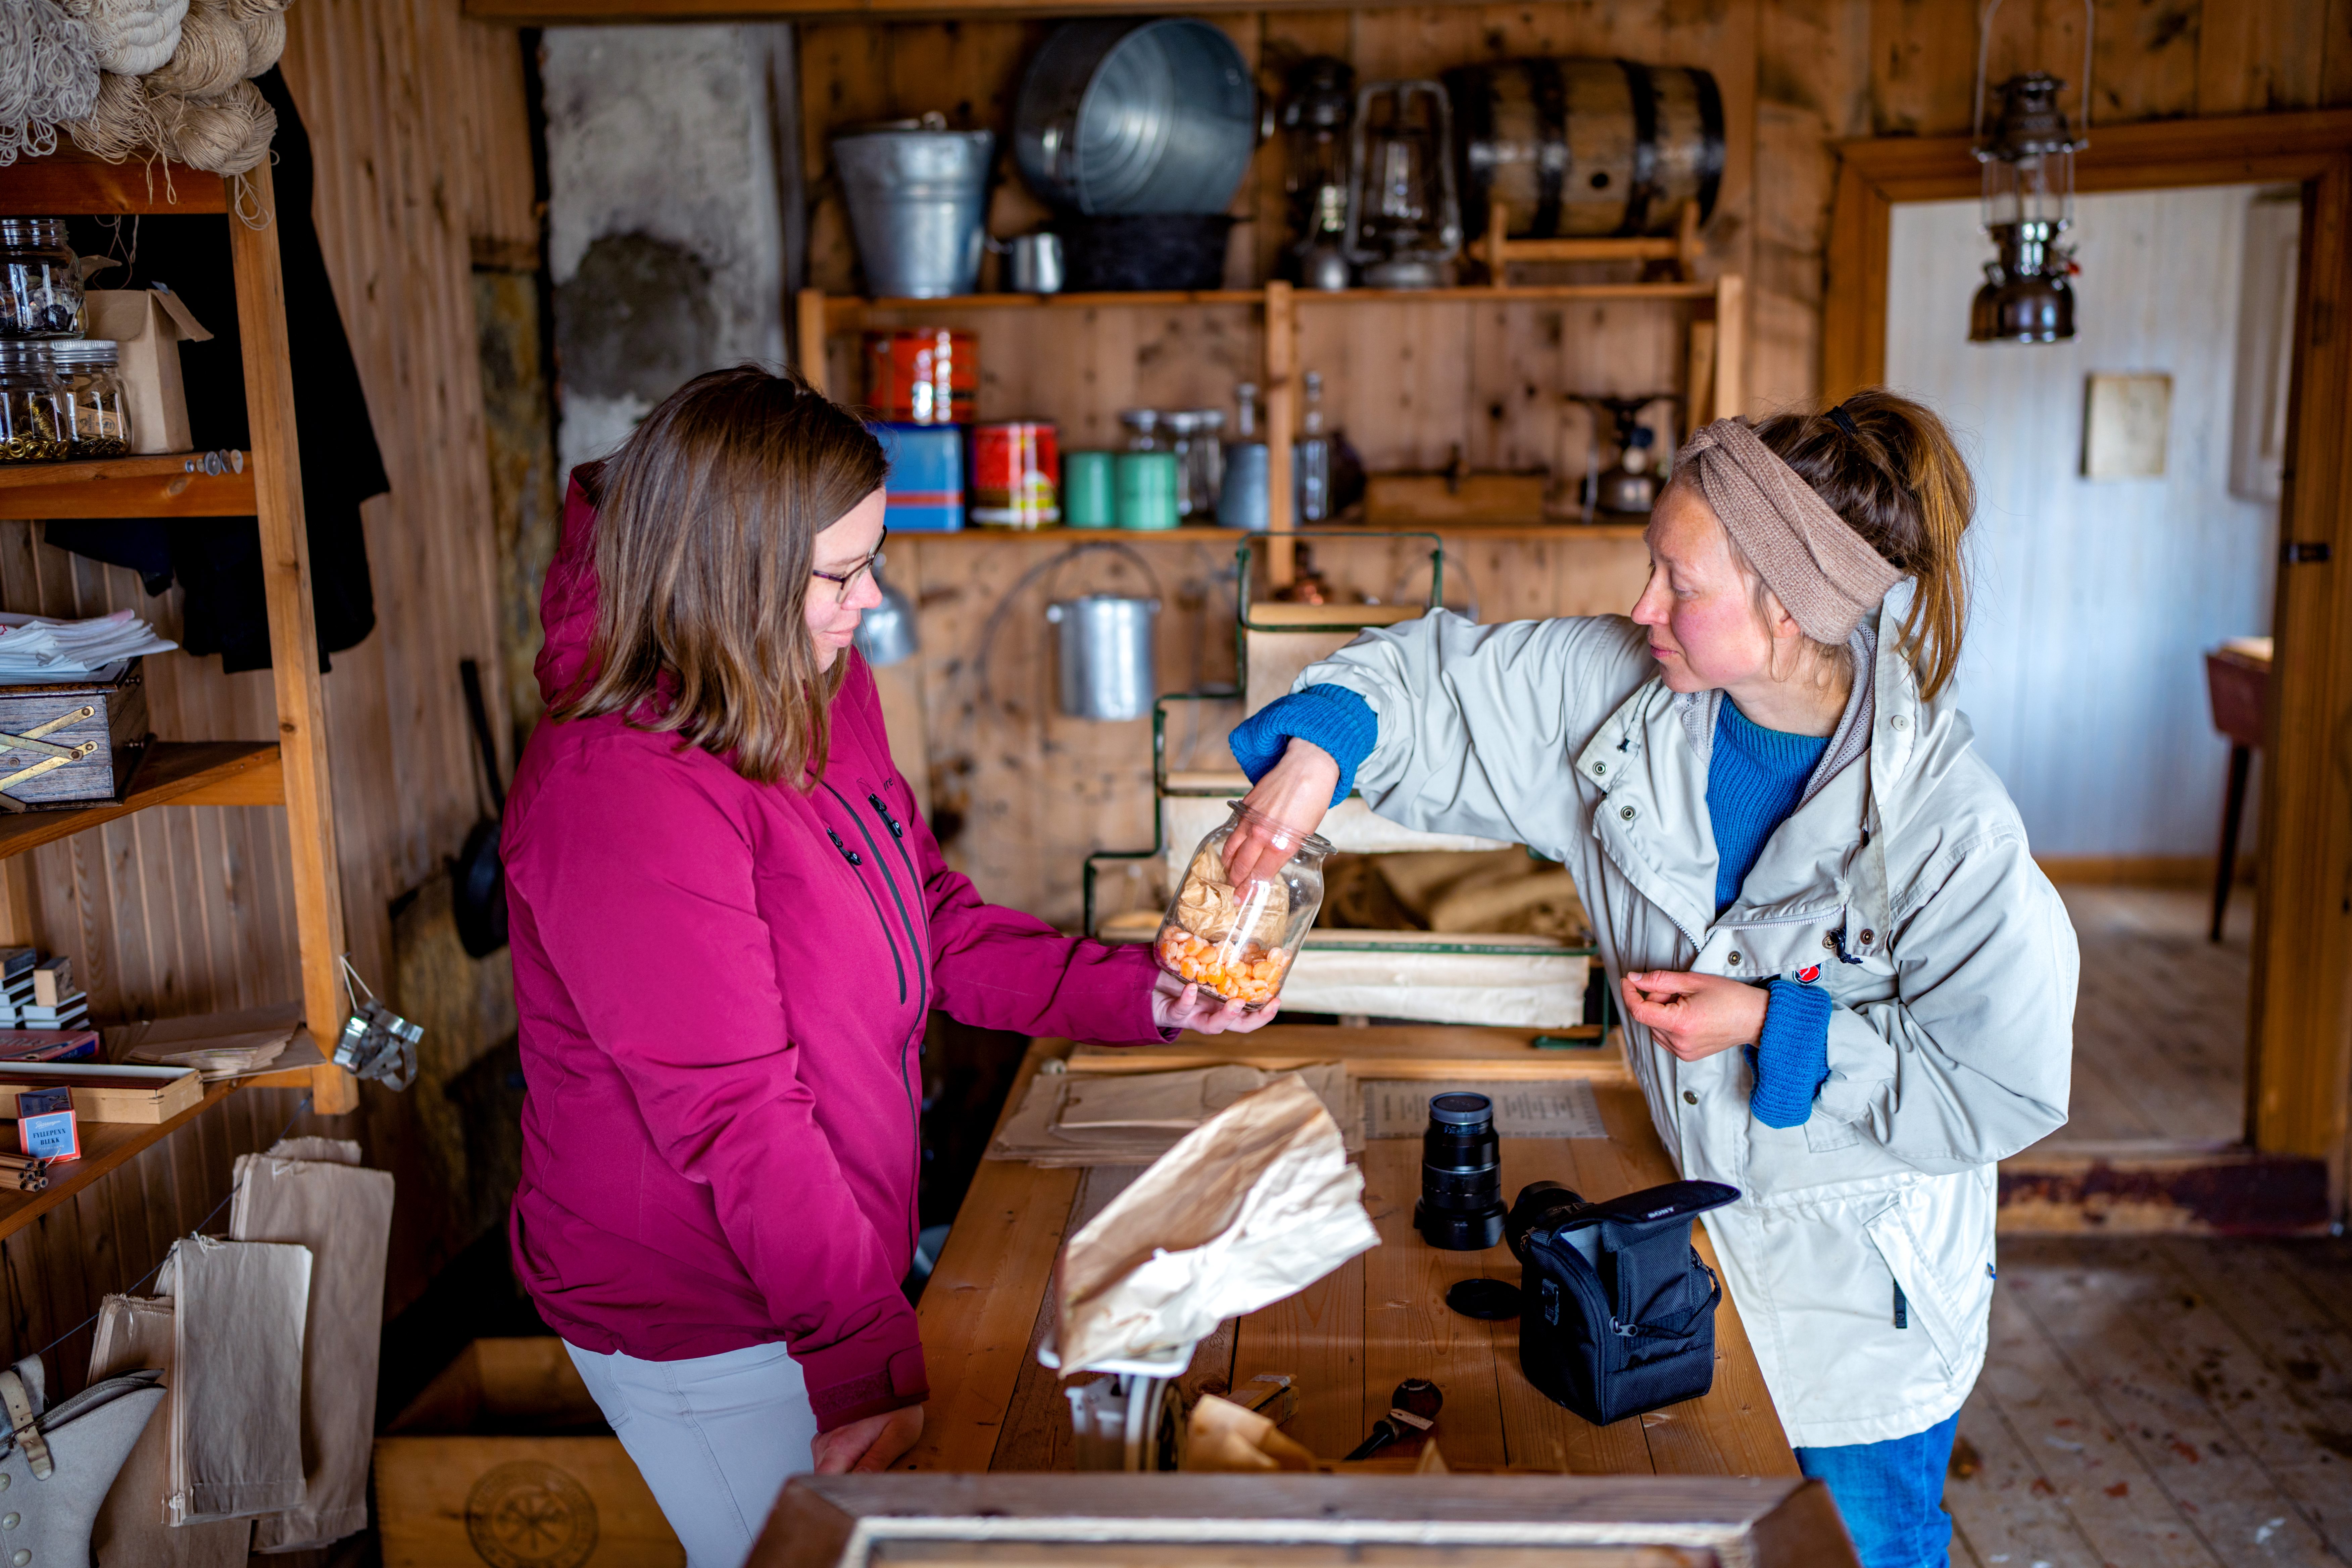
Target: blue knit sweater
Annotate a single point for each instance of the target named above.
(1755, 778)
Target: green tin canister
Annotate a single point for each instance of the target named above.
(1147, 490)
(1089, 490)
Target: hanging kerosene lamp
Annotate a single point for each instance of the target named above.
(1404, 228)
(2029, 202)
(1319, 103)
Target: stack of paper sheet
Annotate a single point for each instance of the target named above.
(1132, 1119)
(217, 1044)
(37, 650)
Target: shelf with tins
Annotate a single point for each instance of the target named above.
(291, 774)
(843, 308)
(1716, 359)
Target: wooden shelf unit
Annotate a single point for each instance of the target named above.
(166, 484)
(292, 772)
(1714, 378)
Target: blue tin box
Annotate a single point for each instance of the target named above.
(924, 493)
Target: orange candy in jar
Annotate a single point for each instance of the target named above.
(1238, 943)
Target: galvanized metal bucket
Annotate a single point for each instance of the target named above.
(1108, 667)
(917, 195)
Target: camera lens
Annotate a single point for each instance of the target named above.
(1461, 1206)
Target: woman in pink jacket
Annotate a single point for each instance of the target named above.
(730, 924)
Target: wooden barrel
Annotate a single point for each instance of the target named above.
(1577, 147)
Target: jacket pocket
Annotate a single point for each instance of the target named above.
(1925, 1300)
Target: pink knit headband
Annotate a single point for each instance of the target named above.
(1817, 567)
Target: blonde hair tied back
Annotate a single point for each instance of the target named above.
(1898, 481)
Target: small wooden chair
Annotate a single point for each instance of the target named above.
(2237, 679)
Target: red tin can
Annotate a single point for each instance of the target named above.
(924, 375)
(1017, 475)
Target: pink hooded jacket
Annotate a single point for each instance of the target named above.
(722, 988)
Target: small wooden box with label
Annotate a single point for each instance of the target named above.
(67, 746)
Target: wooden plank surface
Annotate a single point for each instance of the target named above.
(72, 182)
(1346, 1341)
(164, 484)
(171, 772)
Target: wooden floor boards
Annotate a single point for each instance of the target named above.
(2161, 1401)
(2161, 1024)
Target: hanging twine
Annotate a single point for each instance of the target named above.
(133, 37)
(227, 134)
(120, 126)
(247, 10)
(264, 40)
(48, 73)
(211, 56)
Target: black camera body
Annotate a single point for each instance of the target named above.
(1618, 1313)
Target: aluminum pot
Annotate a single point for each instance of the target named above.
(1124, 116)
(917, 194)
(886, 634)
(1108, 667)
(1033, 264)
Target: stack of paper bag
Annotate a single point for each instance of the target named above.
(313, 1193)
(1256, 1204)
(1132, 1119)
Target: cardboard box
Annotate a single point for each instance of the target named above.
(141, 1096)
(149, 326)
(504, 1459)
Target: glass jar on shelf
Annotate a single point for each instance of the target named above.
(94, 414)
(1237, 944)
(1142, 429)
(30, 419)
(40, 285)
(1207, 466)
(1180, 433)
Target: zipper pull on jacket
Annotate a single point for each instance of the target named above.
(846, 852)
(884, 812)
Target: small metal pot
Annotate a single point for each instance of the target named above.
(886, 634)
(1033, 264)
(1108, 667)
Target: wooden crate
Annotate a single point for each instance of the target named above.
(136, 1094)
(110, 716)
(505, 1460)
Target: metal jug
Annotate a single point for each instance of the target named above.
(1108, 664)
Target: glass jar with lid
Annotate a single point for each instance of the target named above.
(1142, 429)
(29, 418)
(1238, 943)
(1178, 433)
(40, 285)
(94, 416)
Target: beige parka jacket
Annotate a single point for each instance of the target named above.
(1905, 881)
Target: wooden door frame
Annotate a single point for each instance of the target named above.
(2299, 1078)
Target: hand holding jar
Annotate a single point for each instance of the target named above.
(1237, 938)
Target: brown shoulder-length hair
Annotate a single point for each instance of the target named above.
(704, 528)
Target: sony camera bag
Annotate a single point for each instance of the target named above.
(1617, 1313)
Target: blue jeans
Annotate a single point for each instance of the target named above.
(1891, 1495)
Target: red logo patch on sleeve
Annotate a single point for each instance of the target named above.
(1810, 976)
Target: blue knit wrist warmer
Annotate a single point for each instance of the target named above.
(1792, 1053)
(1331, 717)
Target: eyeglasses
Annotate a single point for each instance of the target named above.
(843, 582)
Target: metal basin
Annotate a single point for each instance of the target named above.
(1119, 116)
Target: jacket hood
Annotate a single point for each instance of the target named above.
(567, 605)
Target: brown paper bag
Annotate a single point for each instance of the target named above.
(1255, 1205)
(1222, 1436)
(147, 328)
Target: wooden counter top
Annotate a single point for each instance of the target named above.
(1350, 1338)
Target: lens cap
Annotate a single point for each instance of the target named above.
(1492, 1299)
(1461, 1110)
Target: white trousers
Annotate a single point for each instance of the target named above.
(714, 1437)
